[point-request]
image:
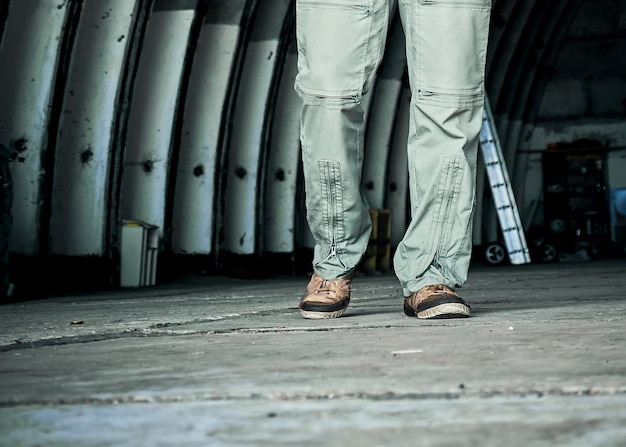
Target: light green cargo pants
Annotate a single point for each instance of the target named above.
(340, 46)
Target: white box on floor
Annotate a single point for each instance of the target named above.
(138, 253)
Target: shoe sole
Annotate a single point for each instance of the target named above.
(444, 311)
(316, 315)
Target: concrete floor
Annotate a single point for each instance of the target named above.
(212, 361)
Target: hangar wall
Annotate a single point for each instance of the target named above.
(181, 113)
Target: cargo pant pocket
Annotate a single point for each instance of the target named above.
(448, 41)
(339, 46)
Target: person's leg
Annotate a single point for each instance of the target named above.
(340, 45)
(332, 153)
(446, 49)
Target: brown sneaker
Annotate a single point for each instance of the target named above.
(325, 298)
(436, 301)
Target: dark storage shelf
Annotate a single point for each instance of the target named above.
(576, 202)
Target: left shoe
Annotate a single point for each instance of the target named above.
(436, 301)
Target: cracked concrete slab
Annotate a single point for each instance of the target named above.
(217, 361)
(527, 421)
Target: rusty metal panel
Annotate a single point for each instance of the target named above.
(243, 192)
(205, 115)
(283, 162)
(397, 194)
(154, 105)
(389, 88)
(82, 159)
(33, 29)
(379, 137)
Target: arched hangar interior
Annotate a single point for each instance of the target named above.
(181, 114)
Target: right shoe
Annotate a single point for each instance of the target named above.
(326, 298)
(436, 301)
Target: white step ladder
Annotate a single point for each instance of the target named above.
(508, 215)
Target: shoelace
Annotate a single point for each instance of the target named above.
(437, 288)
(326, 286)
(323, 287)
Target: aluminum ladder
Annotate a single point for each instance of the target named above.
(508, 214)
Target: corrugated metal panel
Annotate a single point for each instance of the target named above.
(83, 147)
(206, 111)
(33, 28)
(247, 147)
(397, 192)
(155, 101)
(389, 88)
(283, 164)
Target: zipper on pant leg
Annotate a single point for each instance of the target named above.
(441, 217)
(456, 4)
(449, 192)
(461, 98)
(330, 176)
(331, 211)
(365, 7)
(332, 208)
